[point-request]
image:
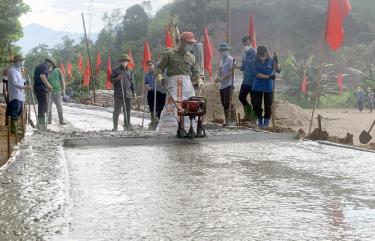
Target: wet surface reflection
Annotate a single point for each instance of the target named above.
(242, 191)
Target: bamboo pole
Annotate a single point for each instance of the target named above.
(228, 22)
(89, 56)
(316, 91)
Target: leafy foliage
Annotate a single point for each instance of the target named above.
(10, 27)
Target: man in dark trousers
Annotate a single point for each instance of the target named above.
(122, 79)
(149, 81)
(42, 88)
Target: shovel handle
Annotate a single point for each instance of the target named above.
(372, 126)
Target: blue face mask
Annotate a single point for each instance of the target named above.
(188, 47)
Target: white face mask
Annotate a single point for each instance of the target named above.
(246, 48)
(188, 47)
(224, 53)
(19, 64)
(124, 64)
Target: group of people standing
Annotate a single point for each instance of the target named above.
(259, 75)
(179, 71)
(361, 96)
(49, 86)
(176, 69)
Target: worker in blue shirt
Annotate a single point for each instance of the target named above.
(248, 78)
(265, 68)
(226, 80)
(149, 81)
(16, 88)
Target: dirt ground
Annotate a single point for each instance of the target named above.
(340, 121)
(337, 122)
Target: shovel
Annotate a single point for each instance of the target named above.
(365, 137)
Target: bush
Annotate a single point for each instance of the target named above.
(346, 100)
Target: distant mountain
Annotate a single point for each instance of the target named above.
(35, 34)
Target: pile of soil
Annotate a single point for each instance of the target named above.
(288, 116)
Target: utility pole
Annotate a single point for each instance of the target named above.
(89, 56)
(228, 22)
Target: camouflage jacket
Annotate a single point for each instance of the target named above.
(178, 64)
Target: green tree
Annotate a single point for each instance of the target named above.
(10, 26)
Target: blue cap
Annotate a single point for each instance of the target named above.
(223, 46)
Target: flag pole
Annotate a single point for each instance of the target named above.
(228, 22)
(88, 53)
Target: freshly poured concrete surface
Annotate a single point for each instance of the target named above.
(226, 187)
(242, 191)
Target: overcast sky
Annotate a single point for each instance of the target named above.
(65, 14)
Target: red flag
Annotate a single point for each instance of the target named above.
(69, 69)
(252, 34)
(168, 39)
(98, 63)
(304, 85)
(131, 63)
(87, 74)
(108, 84)
(340, 82)
(337, 12)
(62, 69)
(80, 64)
(207, 53)
(146, 55)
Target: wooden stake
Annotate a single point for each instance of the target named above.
(8, 137)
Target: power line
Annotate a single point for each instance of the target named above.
(62, 30)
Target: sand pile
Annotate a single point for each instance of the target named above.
(214, 108)
(287, 115)
(290, 115)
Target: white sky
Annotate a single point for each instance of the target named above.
(66, 14)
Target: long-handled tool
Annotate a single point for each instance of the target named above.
(365, 137)
(232, 109)
(144, 106)
(126, 124)
(29, 96)
(274, 92)
(154, 120)
(33, 101)
(49, 109)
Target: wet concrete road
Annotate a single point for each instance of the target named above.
(241, 191)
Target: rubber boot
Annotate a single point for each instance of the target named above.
(50, 117)
(13, 126)
(191, 133)
(115, 122)
(260, 123)
(42, 122)
(226, 117)
(128, 119)
(248, 113)
(61, 117)
(266, 124)
(153, 124)
(200, 131)
(181, 133)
